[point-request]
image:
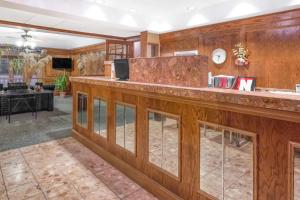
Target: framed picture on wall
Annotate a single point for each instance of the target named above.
(245, 83)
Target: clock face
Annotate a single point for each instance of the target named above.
(219, 56)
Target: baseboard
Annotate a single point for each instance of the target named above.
(138, 177)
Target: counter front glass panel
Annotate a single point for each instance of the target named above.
(82, 109)
(226, 163)
(126, 127)
(100, 117)
(164, 142)
(297, 174)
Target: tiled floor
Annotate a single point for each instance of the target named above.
(63, 169)
(25, 130)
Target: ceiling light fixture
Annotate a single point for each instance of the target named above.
(242, 9)
(96, 13)
(294, 2)
(190, 8)
(99, 1)
(128, 20)
(26, 42)
(132, 10)
(197, 19)
(159, 27)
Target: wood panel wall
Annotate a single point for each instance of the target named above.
(273, 41)
(94, 66)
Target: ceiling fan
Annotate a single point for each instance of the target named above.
(27, 43)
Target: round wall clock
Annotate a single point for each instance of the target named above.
(219, 56)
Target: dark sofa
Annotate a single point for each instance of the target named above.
(44, 99)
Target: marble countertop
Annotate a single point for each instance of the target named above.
(259, 99)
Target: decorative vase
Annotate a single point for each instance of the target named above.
(62, 94)
(241, 62)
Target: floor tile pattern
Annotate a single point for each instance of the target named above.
(25, 130)
(63, 169)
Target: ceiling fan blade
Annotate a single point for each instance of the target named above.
(36, 40)
(11, 37)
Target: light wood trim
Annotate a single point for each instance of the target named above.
(137, 176)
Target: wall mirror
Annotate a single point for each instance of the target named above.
(82, 109)
(164, 141)
(126, 127)
(227, 159)
(100, 117)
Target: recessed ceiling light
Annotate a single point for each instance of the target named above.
(159, 26)
(100, 1)
(294, 2)
(95, 12)
(197, 20)
(132, 10)
(128, 20)
(242, 9)
(190, 8)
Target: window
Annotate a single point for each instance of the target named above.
(100, 117)
(4, 66)
(126, 127)
(82, 109)
(164, 142)
(226, 162)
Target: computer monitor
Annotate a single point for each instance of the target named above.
(122, 69)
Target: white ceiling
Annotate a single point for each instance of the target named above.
(10, 36)
(130, 17)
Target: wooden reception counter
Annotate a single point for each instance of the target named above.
(192, 143)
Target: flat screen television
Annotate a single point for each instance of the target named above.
(122, 69)
(61, 63)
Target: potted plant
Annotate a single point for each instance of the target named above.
(17, 66)
(61, 83)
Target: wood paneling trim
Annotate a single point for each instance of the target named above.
(57, 30)
(269, 113)
(134, 174)
(266, 21)
(90, 48)
(292, 147)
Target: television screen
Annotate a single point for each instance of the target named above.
(61, 63)
(122, 69)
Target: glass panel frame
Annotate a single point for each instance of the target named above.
(231, 153)
(125, 126)
(164, 150)
(100, 117)
(294, 171)
(82, 104)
